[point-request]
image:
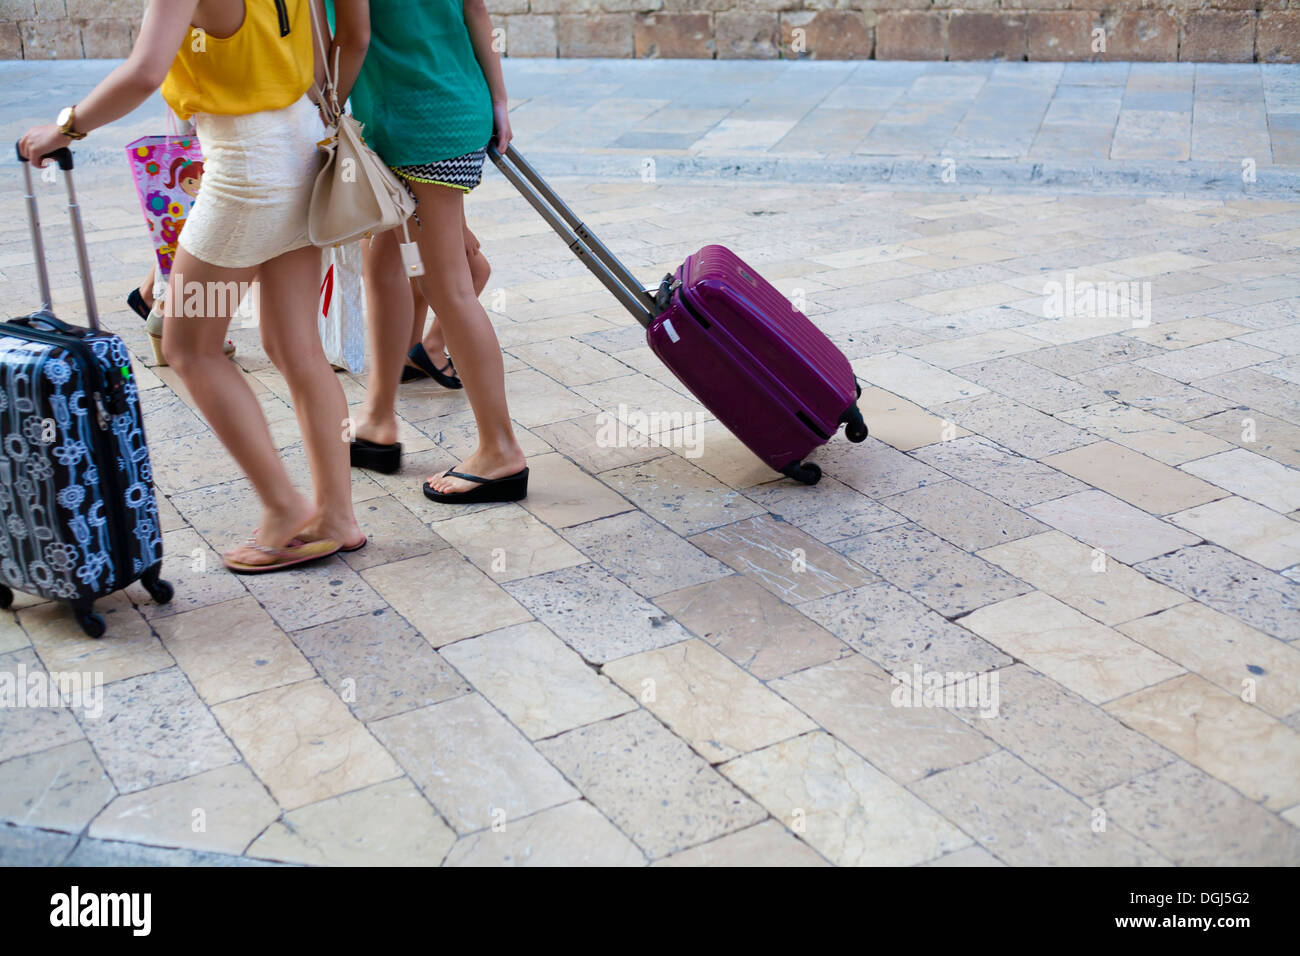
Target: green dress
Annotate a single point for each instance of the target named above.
(421, 94)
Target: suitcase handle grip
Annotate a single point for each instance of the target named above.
(50, 322)
(62, 156)
(615, 276)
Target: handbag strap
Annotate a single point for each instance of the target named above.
(329, 96)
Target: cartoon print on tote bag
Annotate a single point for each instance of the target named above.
(167, 171)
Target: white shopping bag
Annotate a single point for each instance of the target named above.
(342, 312)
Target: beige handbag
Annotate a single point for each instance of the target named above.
(356, 194)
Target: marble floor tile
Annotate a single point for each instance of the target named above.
(379, 665)
(1056, 731)
(855, 700)
(1218, 732)
(303, 743)
(443, 596)
(1228, 583)
(1026, 820)
(1152, 392)
(1206, 360)
(391, 535)
(902, 424)
(28, 846)
(128, 649)
(963, 516)
(231, 650)
(1030, 385)
(572, 834)
(895, 630)
(1090, 659)
(474, 766)
(1195, 820)
(1166, 441)
(387, 824)
(579, 440)
(764, 845)
(791, 564)
(939, 575)
(643, 554)
(650, 784)
(1010, 478)
(752, 626)
(1120, 530)
(829, 510)
(599, 617)
(1246, 528)
(841, 806)
(222, 811)
(508, 543)
(1024, 430)
(1225, 652)
(57, 789)
(914, 380)
(316, 594)
(154, 729)
(708, 701)
(1083, 578)
(1135, 478)
(561, 495)
(673, 491)
(532, 677)
(1251, 476)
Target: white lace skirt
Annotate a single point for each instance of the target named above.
(258, 173)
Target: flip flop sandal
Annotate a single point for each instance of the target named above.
(283, 558)
(373, 456)
(506, 488)
(421, 358)
(297, 542)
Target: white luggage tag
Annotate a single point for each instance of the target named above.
(411, 261)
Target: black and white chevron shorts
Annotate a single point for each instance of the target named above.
(463, 172)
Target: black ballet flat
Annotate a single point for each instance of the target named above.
(506, 488)
(375, 457)
(410, 374)
(136, 301)
(440, 375)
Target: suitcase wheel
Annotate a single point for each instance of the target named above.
(855, 429)
(804, 472)
(93, 624)
(161, 591)
(6, 598)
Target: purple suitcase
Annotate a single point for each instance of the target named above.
(752, 359)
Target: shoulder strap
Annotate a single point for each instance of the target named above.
(329, 97)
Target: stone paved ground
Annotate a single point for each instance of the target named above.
(675, 659)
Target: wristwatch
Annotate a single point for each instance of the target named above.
(68, 116)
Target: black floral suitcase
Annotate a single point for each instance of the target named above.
(78, 518)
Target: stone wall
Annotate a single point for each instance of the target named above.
(1235, 31)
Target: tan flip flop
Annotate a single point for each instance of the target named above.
(283, 558)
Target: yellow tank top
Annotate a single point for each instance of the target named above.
(267, 64)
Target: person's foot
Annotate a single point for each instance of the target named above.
(276, 531)
(483, 464)
(380, 432)
(345, 531)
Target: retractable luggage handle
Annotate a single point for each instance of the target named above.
(63, 156)
(604, 264)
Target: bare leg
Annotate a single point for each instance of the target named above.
(449, 287)
(480, 271)
(388, 316)
(146, 287)
(292, 342)
(192, 340)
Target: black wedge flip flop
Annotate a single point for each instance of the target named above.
(136, 301)
(506, 488)
(375, 457)
(425, 364)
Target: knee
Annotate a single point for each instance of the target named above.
(181, 354)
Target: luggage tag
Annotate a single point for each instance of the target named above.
(411, 260)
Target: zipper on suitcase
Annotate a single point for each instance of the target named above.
(85, 357)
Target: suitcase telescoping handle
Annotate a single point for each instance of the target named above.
(63, 156)
(603, 264)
